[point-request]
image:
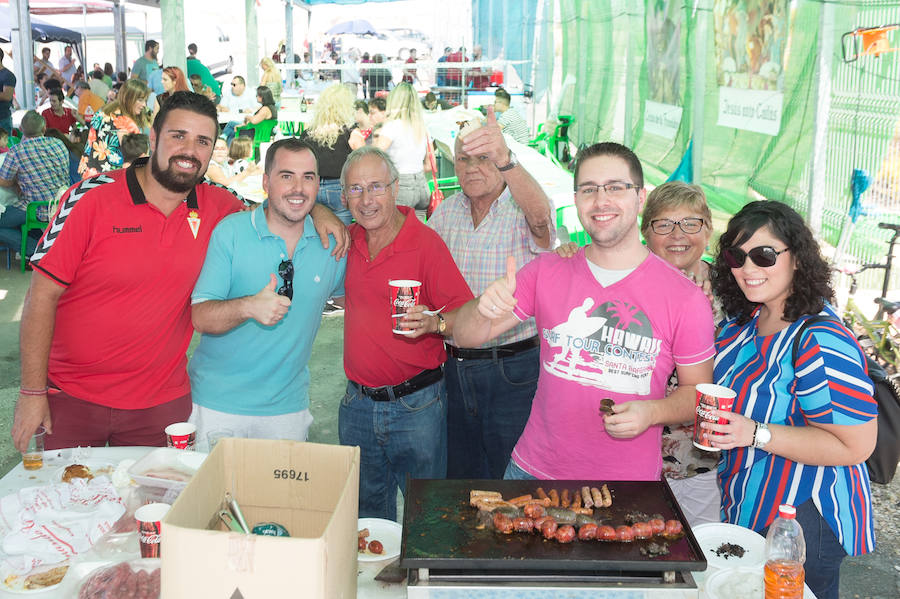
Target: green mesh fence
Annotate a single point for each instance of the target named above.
(739, 165)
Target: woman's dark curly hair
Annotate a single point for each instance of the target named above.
(811, 285)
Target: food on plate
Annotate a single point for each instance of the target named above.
(376, 547)
(77, 471)
(168, 474)
(121, 581)
(364, 545)
(726, 550)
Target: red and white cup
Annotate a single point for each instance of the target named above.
(404, 295)
(710, 397)
(149, 519)
(181, 435)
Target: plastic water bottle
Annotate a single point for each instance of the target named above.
(785, 554)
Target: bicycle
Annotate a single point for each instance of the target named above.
(880, 336)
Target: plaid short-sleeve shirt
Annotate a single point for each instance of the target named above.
(480, 252)
(41, 165)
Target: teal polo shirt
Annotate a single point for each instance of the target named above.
(252, 369)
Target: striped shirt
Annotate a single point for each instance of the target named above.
(513, 124)
(41, 165)
(827, 385)
(480, 252)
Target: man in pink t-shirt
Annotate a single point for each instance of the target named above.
(613, 321)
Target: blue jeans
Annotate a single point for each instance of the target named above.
(228, 130)
(824, 553)
(330, 196)
(488, 404)
(515, 472)
(399, 438)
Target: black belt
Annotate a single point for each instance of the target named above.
(387, 393)
(502, 351)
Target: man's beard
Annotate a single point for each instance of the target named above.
(176, 181)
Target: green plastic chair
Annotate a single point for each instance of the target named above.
(31, 223)
(567, 216)
(262, 133)
(291, 128)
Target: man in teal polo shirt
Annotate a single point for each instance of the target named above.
(258, 302)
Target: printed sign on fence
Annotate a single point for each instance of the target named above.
(751, 110)
(662, 119)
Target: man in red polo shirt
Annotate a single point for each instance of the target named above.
(107, 319)
(395, 408)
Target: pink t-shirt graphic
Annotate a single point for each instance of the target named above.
(621, 342)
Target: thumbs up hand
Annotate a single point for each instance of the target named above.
(498, 301)
(488, 141)
(267, 307)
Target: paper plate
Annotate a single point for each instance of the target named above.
(167, 460)
(740, 583)
(386, 531)
(97, 467)
(16, 584)
(711, 536)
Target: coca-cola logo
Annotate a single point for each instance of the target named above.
(705, 414)
(150, 538)
(403, 302)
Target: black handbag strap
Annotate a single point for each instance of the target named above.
(815, 318)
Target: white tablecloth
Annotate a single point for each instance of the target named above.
(18, 478)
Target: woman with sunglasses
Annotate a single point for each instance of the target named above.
(800, 430)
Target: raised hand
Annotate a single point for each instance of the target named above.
(497, 300)
(488, 141)
(267, 307)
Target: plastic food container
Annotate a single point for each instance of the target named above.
(167, 468)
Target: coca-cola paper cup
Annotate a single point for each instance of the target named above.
(149, 518)
(181, 435)
(710, 397)
(404, 295)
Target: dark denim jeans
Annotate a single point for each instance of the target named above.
(330, 196)
(824, 553)
(407, 436)
(489, 402)
(11, 222)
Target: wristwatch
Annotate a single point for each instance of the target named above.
(442, 324)
(761, 435)
(513, 163)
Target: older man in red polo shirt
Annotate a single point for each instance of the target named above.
(107, 319)
(395, 408)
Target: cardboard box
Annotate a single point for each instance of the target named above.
(309, 488)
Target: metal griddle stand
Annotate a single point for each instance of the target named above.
(428, 583)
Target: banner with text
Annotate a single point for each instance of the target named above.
(750, 109)
(662, 119)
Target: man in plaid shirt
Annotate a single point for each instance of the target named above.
(40, 167)
(501, 211)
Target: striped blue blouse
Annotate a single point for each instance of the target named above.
(829, 385)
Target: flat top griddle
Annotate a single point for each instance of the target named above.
(439, 530)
